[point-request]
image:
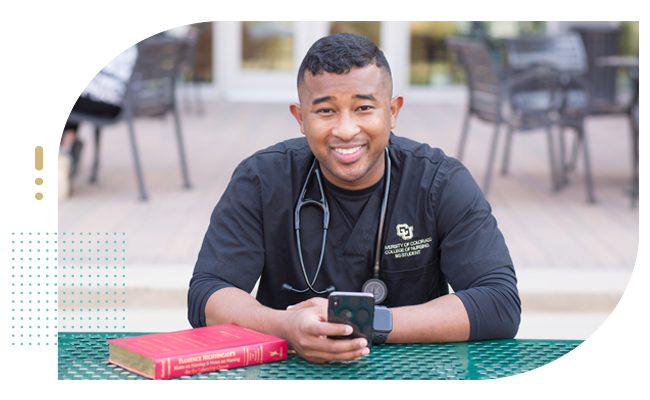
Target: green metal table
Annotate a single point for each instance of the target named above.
(83, 355)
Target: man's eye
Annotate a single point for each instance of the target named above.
(324, 111)
(364, 108)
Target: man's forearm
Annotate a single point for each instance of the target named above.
(440, 320)
(234, 306)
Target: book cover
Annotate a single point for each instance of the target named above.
(195, 351)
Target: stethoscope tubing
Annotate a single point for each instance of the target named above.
(326, 217)
(384, 205)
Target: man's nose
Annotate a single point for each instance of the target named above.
(346, 127)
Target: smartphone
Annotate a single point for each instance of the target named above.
(355, 309)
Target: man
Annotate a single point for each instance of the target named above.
(437, 226)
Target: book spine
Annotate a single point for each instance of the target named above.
(222, 359)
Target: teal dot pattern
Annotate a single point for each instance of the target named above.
(33, 284)
(92, 282)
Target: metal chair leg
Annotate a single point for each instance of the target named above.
(506, 151)
(588, 179)
(635, 158)
(571, 165)
(181, 149)
(564, 180)
(490, 166)
(463, 136)
(188, 101)
(197, 98)
(555, 181)
(136, 160)
(93, 175)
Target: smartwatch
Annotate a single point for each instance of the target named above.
(382, 324)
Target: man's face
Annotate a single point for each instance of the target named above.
(347, 120)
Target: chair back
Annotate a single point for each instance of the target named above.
(601, 42)
(191, 54)
(565, 53)
(481, 75)
(151, 91)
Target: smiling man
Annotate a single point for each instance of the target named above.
(347, 119)
(403, 221)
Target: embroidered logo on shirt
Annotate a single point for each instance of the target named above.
(408, 249)
(405, 231)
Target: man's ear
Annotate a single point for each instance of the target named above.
(395, 105)
(296, 111)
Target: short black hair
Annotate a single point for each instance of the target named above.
(340, 52)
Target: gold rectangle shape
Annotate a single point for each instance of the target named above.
(38, 156)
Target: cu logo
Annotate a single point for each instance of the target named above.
(405, 231)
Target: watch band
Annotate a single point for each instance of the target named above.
(382, 324)
(379, 337)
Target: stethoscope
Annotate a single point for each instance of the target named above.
(374, 285)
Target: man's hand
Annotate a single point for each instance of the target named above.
(304, 326)
(306, 331)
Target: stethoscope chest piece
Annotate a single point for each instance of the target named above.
(377, 288)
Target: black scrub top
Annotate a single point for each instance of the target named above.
(439, 229)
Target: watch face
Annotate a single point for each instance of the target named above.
(383, 319)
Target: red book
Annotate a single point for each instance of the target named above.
(195, 351)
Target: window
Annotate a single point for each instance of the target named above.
(430, 62)
(369, 29)
(267, 45)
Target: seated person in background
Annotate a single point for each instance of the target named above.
(105, 54)
(438, 228)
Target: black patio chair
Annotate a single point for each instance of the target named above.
(601, 44)
(564, 54)
(151, 93)
(522, 101)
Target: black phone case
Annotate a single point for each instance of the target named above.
(356, 311)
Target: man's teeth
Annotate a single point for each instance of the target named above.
(348, 151)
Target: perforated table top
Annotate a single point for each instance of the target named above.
(84, 356)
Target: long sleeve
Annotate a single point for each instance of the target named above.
(202, 286)
(232, 253)
(474, 255)
(493, 305)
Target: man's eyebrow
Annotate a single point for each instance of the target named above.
(356, 96)
(321, 99)
(365, 97)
